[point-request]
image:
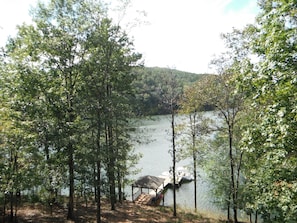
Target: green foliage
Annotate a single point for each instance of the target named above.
(148, 85)
(218, 91)
(219, 178)
(67, 83)
(270, 131)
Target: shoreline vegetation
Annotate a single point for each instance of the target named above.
(126, 211)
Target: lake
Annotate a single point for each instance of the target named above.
(157, 159)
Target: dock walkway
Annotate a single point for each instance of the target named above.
(156, 186)
(144, 199)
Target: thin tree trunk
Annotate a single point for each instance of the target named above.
(17, 193)
(119, 181)
(112, 185)
(70, 214)
(95, 181)
(195, 162)
(118, 168)
(228, 210)
(193, 131)
(109, 143)
(174, 161)
(110, 167)
(195, 180)
(11, 206)
(98, 198)
(233, 188)
(4, 207)
(70, 116)
(98, 164)
(52, 192)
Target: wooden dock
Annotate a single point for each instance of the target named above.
(144, 199)
(156, 187)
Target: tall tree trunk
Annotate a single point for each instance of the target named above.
(233, 184)
(195, 180)
(98, 165)
(119, 169)
(70, 214)
(193, 125)
(53, 195)
(228, 205)
(110, 166)
(95, 180)
(173, 160)
(119, 181)
(98, 198)
(11, 206)
(4, 207)
(112, 183)
(109, 143)
(70, 117)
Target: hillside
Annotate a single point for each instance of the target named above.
(149, 82)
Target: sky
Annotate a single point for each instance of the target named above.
(178, 34)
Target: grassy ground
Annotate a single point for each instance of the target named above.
(124, 213)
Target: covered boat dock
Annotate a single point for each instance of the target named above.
(150, 190)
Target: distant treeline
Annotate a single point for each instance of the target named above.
(148, 85)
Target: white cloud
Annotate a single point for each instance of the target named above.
(13, 13)
(180, 34)
(185, 34)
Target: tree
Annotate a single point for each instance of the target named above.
(229, 104)
(48, 56)
(16, 148)
(72, 72)
(171, 93)
(192, 104)
(270, 138)
(58, 35)
(219, 178)
(110, 87)
(219, 91)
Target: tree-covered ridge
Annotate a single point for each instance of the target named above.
(148, 85)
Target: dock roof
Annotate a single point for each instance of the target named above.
(150, 182)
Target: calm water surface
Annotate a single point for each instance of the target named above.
(157, 159)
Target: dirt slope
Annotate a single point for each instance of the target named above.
(125, 212)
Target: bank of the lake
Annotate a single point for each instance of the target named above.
(125, 212)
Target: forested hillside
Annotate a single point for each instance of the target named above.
(148, 86)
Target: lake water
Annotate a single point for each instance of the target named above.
(157, 159)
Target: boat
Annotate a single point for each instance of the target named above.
(182, 175)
